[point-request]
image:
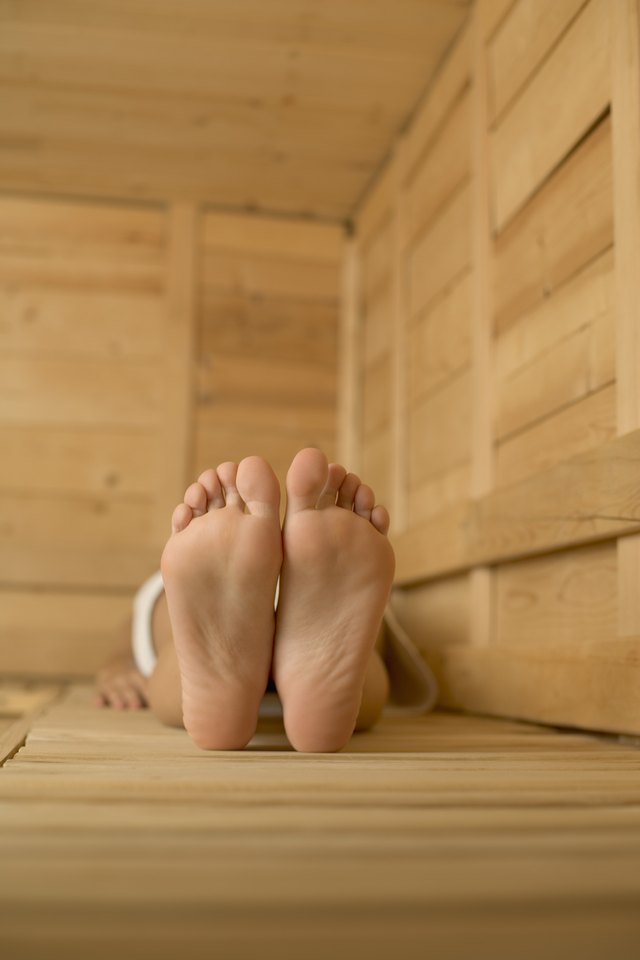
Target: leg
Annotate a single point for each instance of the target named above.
(164, 688)
(334, 584)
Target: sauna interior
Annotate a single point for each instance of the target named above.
(405, 232)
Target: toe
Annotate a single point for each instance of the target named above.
(306, 479)
(337, 473)
(347, 491)
(228, 477)
(380, 519)
(196, 498)
(364, 501)
(258, 487)
(211, 483)
(182, 517)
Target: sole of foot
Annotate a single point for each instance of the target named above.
(336, 575)
(220, 568)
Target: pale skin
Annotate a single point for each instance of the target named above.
(214, 629)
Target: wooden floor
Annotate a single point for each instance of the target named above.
(444, 836)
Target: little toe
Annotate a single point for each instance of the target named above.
(228, 476)
(347, 491)
(364, 501)
(258, 487)
(211, 483)
(380, 519)
(337, 473)
(182, 517)
(306, 479)
(196, 498)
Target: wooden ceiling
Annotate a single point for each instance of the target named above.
(286, 106)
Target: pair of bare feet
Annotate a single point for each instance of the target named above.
(220, 569)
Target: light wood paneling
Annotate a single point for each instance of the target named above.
(439, 434)
(441, 171)
(219, 104)
(68, 633)
(567, 224)
(517, 332)
(526, 36)
(442, 254)
(573, 430)
(571, 597)
(440, 341)
(531, 139)
(626, 154)
(267, 345)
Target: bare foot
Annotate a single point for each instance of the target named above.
(335, 580)
(220, 569)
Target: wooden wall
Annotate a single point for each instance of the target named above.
(138, 345)
(267, 340)
(492, 318)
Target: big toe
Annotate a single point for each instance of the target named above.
(306, 479)
(258, 486)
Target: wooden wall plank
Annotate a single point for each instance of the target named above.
(442, 171)
(266, 276)
(62, 323)
(74, 392)
(579, 303)
(565, 226)
(377, 412)
(491, 14)
(482, 423)
(548, 601)
(110, 567)
(440, 340)
(531, 140)
(438, 493)
(398, 398)
(282, 238)
(66, 460)
(266, 375)
(376, 465)
(626, 196)
(591, 685)
(524, 39)
(447, 86)
(574, 502)
(571, 431)
(179, 337)
(441, 254)
(51, 633)
(275, 328)
(566, 377)
(439, 434)
(348, 441)
(378, 322)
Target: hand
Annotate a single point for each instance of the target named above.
(120, 684)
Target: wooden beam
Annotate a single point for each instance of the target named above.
(399, 334)
(592, 497)
(625, 120)
(176, 443)
(593, 685)
(482, 378)
(349, 357)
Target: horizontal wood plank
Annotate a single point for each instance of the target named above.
(568, 224)
(531, 140)
(574, 502)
